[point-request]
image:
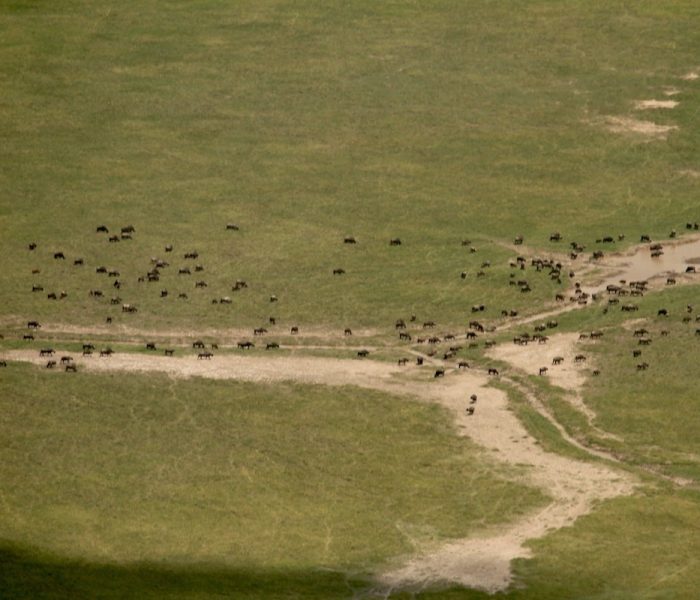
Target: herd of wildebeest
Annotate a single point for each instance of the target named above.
(554, 268)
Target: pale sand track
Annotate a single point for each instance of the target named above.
(482, 561)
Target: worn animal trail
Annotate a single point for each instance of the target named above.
(482, 561)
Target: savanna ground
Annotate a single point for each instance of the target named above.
(303, 123)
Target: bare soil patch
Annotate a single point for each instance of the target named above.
(653, 104)
(482, 561)
(637, 126)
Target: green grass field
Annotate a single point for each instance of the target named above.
(304, 122)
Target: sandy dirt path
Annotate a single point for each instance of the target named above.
(482, 561)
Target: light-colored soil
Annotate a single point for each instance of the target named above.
(691, 76)
(482, 561)
(637, 126)
(653, 104)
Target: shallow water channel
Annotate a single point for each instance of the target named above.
(640, 265)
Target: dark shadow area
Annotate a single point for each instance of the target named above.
(33, 574)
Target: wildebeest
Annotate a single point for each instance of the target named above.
(402, 362)
(259, 331)
(462, 364)
(169, 248)
(543, 370)
(363, 353)
(555, 237)
(644, 341)
(33, 325)
(28, 337)
(193, 255)
(232, 227)
(294, 330)
(347, 331)
(71, 368)
(349, 240)
(338, 271)
(114, 238)
(557, 360)
(102, 229)
(205, 355)
(129, 308)
(246, 345)
(405, 336)
(150, 346)
(87, 352)
(439, 373)
(66, 359)
(395, 242)
(518, 240)
(579, 358)
(106, 352)
(51, 364)
(273, 298)
(78, 262)
(47, 352)
(59, 256)
(470, 410)
(184, 271)
(198, 344)
(32, 246)
(200, 284)
(662, 312)
(128, 229)
(492, 371)
(644, 238)
(168, 352)
(690, 269)
(642, 366)
(271, 346)
(428, 324)
(400, 324)
(419, 360)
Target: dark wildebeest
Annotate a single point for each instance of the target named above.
(33, 325)
(419, 360)
(349, 240)
(51, 364)
(405, 336)
(579, 358)
(150, 346)
(205, 355)
(59, 255)
(32, 246)
(543, 370)
(642, 366)
(347, 331)
(47, 352)
(114, 238)
(294, 330)
(78, 262)
(246, 345)
(462, 364)
(439, 373)
(363, 353)
(492, 371)
(557, 360)
(168, 352)
(198, 344)
(470, 410)
(402, 362)
(272, 346)
(662, 312)
(169, 248)
(395, 242)
(28, 337)
(338, 271)
(66, 359)
(106, 352)
(193, 255)
(71, 369)
(259, 331)
(232, 227)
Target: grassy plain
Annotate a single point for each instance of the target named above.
(304, 122)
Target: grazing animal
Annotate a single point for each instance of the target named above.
(462, 364)
(193, 255)
(87, 352)
(246, 345)
(47, 352)
(59, 256)
(51, 364)
(150, 346)
(557, 360)
(338, 271)
(259, 331)
(428, 324)
(596, 372)
(78, 262)
(405, 336)
(71, 369)
(662, 312)
(169, 248)
(402, 362)
(232, 227)
(33, 325)
(543, 370)
(204, 355)
(555, 237)
(349, 240)
(129, 308)
(395, 242)
(642, 366)
(182, 296)
(113, 238)
(347, 331)
(66, 359)
(492, 371)
(184, 271)
(271, 346)
(439, 373)
(294, 330)
(28, 336)
(644, 342)
(32, 246)
(419, 360)
(690, 269)
(273, 298)
(363, 353)
(579, 358)
(644, 238)
(470, 410)
(168, 352)
(106, 352)
(200, 284)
